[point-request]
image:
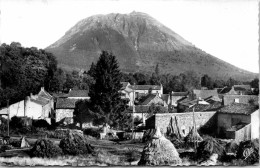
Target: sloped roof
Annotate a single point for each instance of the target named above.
(124, 85)
(238, 108)
(40, 100)
(78, 93)
(45, 94)
(147, 99)
(245, 87)
(225, 90)
(146, 87)
(205, 93)
(63, 103)
(180, 93)
(214, 106)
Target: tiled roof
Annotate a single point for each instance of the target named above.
(78, 93)
(40, 100)
(214, 106)
(205, 93)
(45, 94)
(147, 99)
(180, 93)
(63, 103)
(146, 87)
(245, 87)
(225, 90)
(238, 108)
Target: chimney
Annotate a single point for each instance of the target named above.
(42, 88)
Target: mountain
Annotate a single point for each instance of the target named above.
(140, 43)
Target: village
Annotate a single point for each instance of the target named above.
(230, 114)
(129, 83)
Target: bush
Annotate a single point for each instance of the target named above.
(94, 132)
(3, 125)
(16, 122)
(249, 151)
(45, 148)
(75, 144)
(41, 123)
(5, 147)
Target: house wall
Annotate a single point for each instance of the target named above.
(184, 120)
(255, 125)
(62, 113)
(16, 109)
(225, 121)
(229, 99)
(243, 133)
(34, 110)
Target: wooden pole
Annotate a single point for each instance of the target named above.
(133, 113)
(8, 118)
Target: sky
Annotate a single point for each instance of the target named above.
(227, 29)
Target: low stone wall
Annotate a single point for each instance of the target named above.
(184, 120)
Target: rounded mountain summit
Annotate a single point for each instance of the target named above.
(140, 43)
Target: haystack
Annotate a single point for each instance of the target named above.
(159, 151)
(24, 143)
(231, 147)
(193, 136)
(208, 147)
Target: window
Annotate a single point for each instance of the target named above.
(237, 100)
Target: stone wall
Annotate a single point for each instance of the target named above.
(229, 99)
(62, 113)
(184, 120)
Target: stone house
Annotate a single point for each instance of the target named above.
(150, 99)
(236, 90)
(202, 94)
(176, 96)
(65, 105)
(64, 110)
(37, 106)
(78, 94)
(127, 93)
(141, 90)
(238, 121)
(245, 99)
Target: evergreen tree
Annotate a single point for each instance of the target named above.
(105, 99)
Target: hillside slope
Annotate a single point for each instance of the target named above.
(139, 42)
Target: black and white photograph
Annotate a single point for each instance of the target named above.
(129, 83)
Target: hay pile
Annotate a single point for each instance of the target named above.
(148, 135)
(75, 143)
(193, 136)
(159, 151)
(45, 148)
(232, 147)
(249, 151)
(208, 147)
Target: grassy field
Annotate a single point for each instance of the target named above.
(108, 153)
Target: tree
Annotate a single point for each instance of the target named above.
(255, 83)
(157, 70)
(206, 82)
(105, 99)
